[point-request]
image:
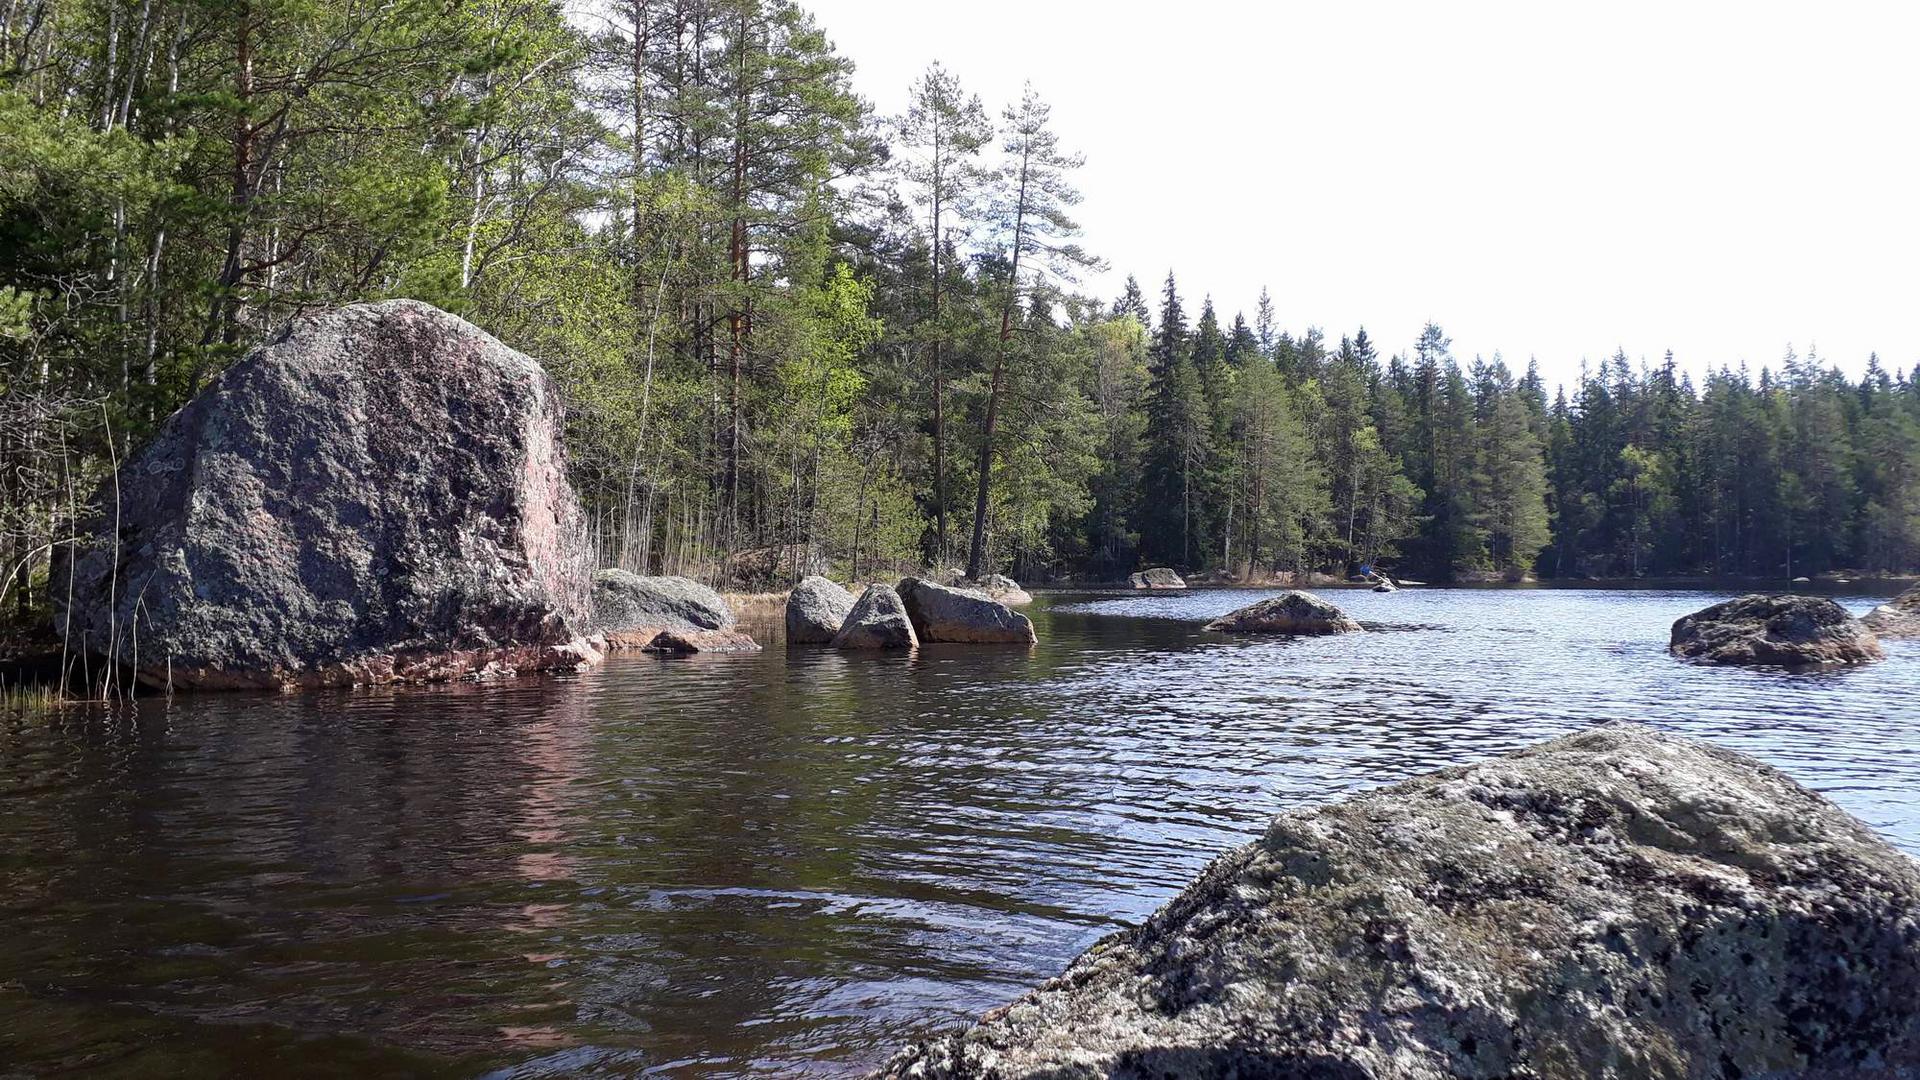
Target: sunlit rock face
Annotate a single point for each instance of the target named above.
(630, 610)
(1899, 618)
(816, 608)
(377, 494)
(1292, 612)
(878, 621)
(1614, 904)
(1789, 631)
(1159, 577)
(942, 613)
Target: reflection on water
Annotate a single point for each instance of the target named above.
(777, 864)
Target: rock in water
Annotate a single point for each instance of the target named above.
(630, 610)
(1292, 612)
(816, 608)
(1899, 618)
(701, 641)
(996, 587)
(377, 494)
(1160, 577)
(1616, 904)
(941, 613)
(1792, 631)
(878, 621)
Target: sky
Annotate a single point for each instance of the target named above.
(1544, 180)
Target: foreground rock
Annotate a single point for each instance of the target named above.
(1898, 618)
(630, 610)
(687, 641)
(878, 621)
(377, 494)
(1159, 577)
(1292, 612)
(816, 608)
(1615, 904)
(941, 613)
(1792, 631)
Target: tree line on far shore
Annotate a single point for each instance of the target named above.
(794, 334)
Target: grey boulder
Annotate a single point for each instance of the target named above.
(941, 613)
(1898, 618)
(878, 621)
(816, 608)
(630, 610)
(1616, 904)
(687, 641)
(376, 494)
(1789, 631)
(1159, 577)
(996, 587)
(1292, 612)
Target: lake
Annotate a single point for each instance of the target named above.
(780, 864)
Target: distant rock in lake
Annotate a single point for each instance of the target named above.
(1618, 903)
(377, 494)
(816, 608)
(630, 610)
(941, 613)
(1159, 577)
(1898, 618)
(878, 620)
(1788, 631)
(997, 587)
(1292, 612)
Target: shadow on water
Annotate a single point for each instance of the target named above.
(783, 863)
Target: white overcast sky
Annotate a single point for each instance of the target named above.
(1542, 179)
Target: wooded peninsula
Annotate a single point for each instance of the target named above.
(792, 333)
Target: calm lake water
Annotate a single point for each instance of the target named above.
(782, 864)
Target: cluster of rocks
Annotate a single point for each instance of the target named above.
(1784, 631)
(900, 617)
(1618, 903)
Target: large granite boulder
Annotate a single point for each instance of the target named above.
(941, 613)
(1898, 618)
(376, 494)
(630, 610)
(1292, 612)
(816, 608)
(1791, 631)
(1159, 577)
(878, 621)
(1615, 904)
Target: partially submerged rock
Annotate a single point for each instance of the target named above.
(376, 494)
(1791, 631)
(1898, 618)
(1618, 903)
(631, 610)
(1159, 577)
(997, 587)
(941, 613)
(816, 608)
(878, 621)
(1292, 612)
(686, 641)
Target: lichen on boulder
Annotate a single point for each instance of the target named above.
(878, 621)
(1618, 903)
(376, 494)
(1291, 612)
(1785, 631)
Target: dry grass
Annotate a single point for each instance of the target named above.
(758, 613)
